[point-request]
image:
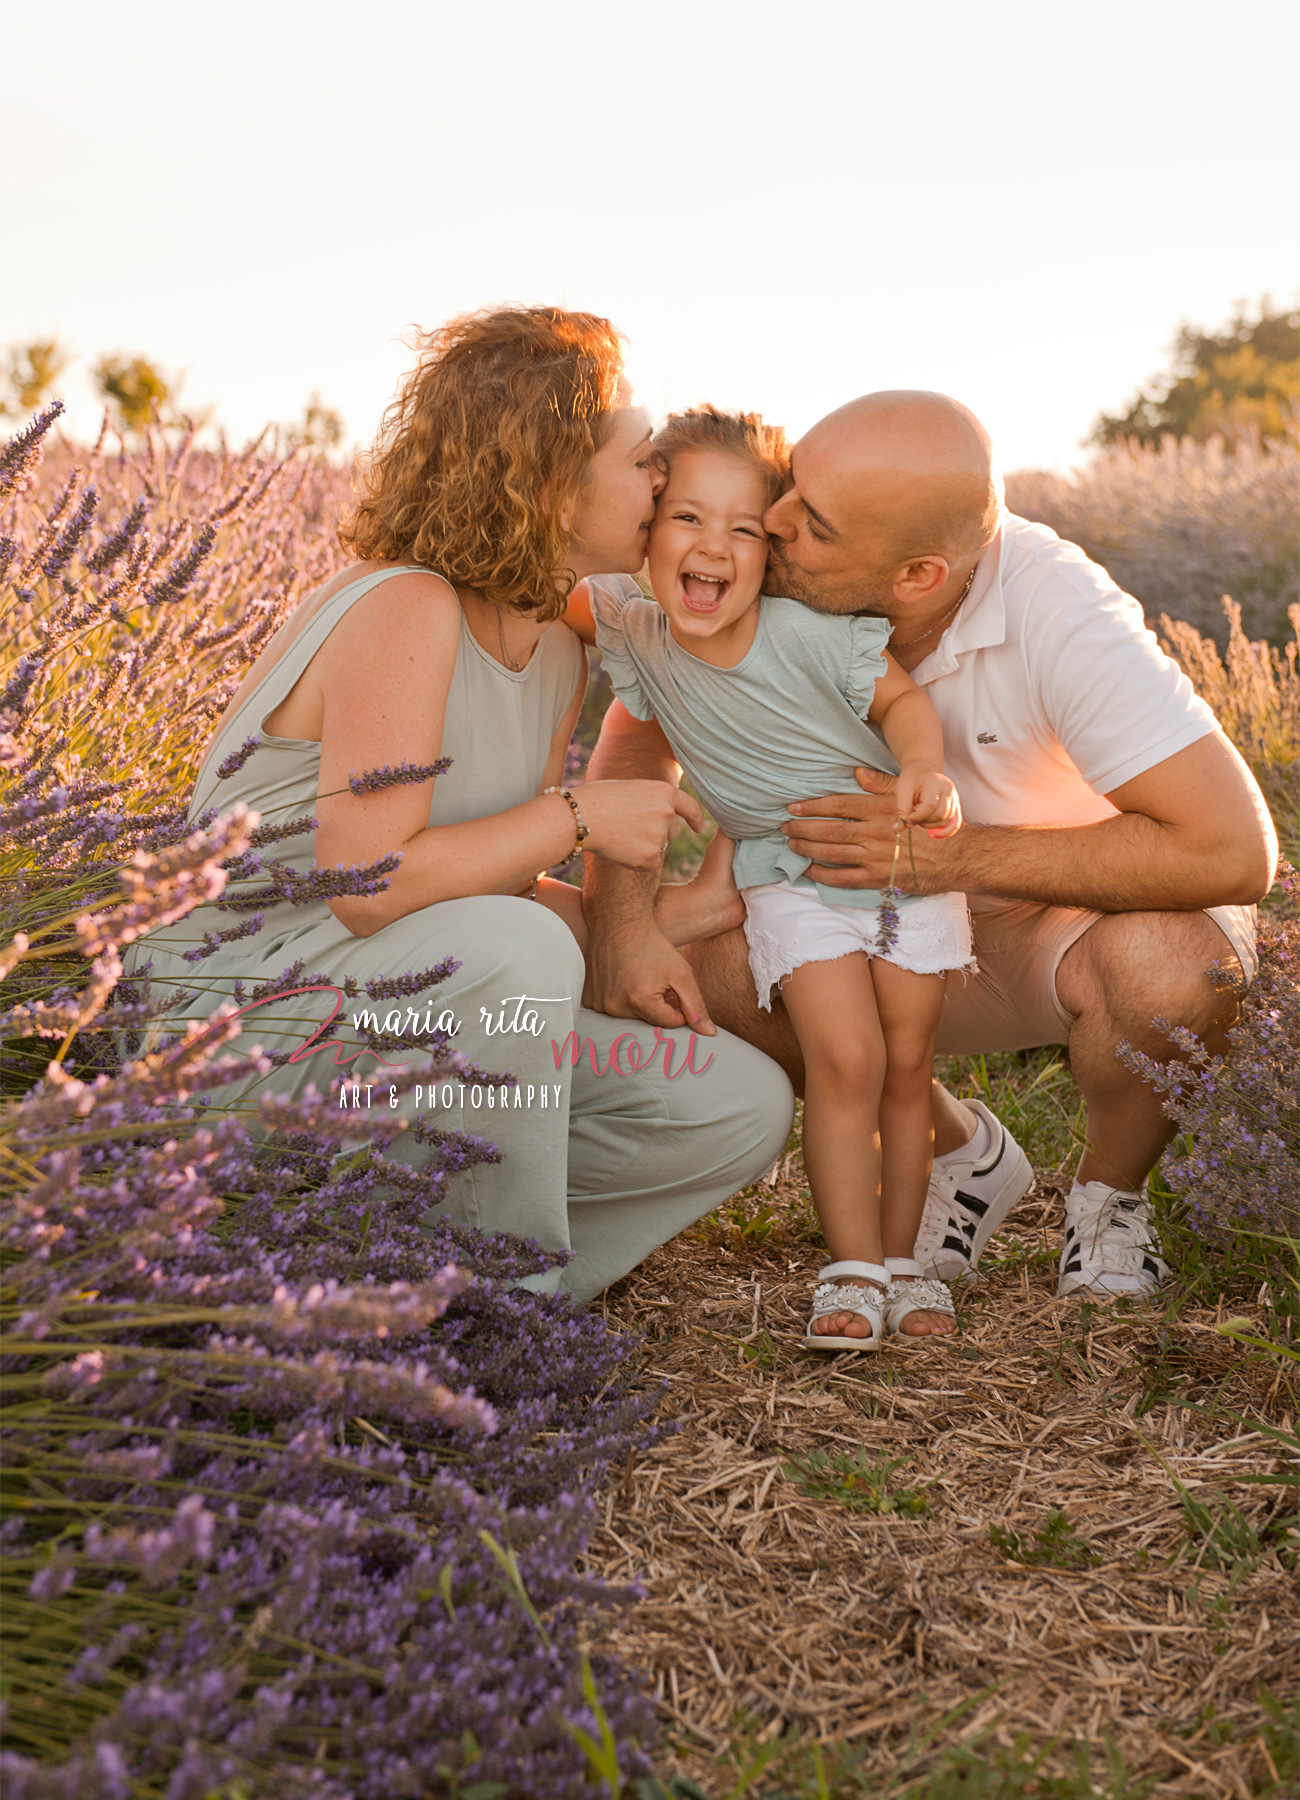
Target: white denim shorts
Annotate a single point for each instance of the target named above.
(786, 926)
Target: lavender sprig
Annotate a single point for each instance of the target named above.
(213, 940)
(374, 781)
(398, 987)
(887, 913)
(14, 696)
(60, 554)
(296, 887)
(1237, 1158)
(232, 764)
(21, 456)
(182, 572)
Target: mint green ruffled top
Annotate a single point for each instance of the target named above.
(787, 723)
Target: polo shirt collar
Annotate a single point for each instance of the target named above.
(981, 622)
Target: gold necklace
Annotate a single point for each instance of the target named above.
(930, 631)
(505, 654)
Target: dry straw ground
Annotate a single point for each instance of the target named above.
(771, 1614)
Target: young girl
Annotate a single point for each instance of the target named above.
(763, 702)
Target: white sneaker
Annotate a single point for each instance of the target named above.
(1108, 1245)
(966, 1202)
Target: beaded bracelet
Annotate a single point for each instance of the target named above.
(584, 831)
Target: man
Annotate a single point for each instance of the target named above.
(1115, 844)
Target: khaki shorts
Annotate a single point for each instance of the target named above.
(1012, 1003)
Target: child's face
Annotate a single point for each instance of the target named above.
(708, 549)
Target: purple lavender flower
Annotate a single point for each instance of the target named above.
(116, 545)
(275, 834)
(295, 887)
(22, 455)
(213, 940)
(232, 764)
(373, 781)
(182, 572)
(396, 987)
(14, 697)
(60, 553)
(1237, 1157)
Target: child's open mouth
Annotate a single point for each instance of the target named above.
(704, 593)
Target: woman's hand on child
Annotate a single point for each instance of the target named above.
(633, 822)
(925, 797)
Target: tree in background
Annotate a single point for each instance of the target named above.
(133, 388)
(31, 371)
(1246, 379)
(320, 428)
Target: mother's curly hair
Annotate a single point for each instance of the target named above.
(485, 447)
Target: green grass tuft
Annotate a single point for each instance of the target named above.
(859, 1482)
(1054, 1544)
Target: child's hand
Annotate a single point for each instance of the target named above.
(925, 797)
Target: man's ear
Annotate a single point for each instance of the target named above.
(921, 577)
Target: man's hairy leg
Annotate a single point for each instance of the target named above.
(954, 1124)
(721, 967)
(1127, 970)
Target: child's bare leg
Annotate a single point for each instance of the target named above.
(832, 1007)
(909, 1007)
(687, 910)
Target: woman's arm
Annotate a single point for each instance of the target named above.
(558, 896)
(384, 675)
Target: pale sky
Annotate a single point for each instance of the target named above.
(780, 205)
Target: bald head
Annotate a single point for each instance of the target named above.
(884, 482)
(918, 466)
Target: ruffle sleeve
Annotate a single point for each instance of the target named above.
(867, 640)
(611, 598)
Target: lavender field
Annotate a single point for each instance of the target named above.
(300, 1500)
(294, 1493)
(1180, 524)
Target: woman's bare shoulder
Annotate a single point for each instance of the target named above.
(400, 578)
(411, 603)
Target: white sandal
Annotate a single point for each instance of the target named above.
(906, 1297)
(832, 1295)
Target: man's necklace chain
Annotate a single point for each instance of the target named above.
(939, 623)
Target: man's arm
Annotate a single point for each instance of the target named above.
(1192, 831)
(633, 972)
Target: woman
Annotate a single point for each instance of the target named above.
(512, 463)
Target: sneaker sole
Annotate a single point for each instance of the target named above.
(953, 1265)
(1108, 1286)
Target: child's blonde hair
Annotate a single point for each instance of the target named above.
(742, 435)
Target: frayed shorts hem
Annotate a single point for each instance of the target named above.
(786, 927)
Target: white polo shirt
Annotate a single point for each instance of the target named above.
(1051, 690)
